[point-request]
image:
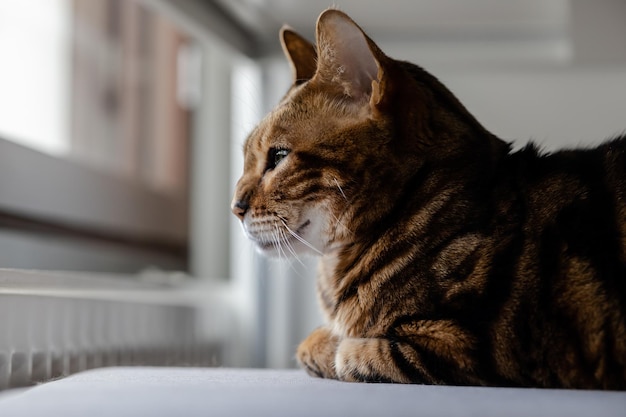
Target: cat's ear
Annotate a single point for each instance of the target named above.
(348, 58)
(300, 53)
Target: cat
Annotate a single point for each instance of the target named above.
(445, 256)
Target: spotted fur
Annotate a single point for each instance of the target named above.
(445, 257)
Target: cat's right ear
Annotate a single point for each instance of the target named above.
(300, 53)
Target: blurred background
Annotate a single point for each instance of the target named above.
(121, 125)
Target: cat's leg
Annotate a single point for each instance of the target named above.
(368, 360)
(384, 360)
(316, 354)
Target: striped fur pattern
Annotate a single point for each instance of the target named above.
(445, 257)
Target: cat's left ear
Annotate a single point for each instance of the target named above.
(349, 59)
(300, 53)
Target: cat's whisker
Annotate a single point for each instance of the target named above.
(284, 244)
(290, 247)
(338, 222)
(340, 189)
(281, 236)
(301, 239)
(276, 241)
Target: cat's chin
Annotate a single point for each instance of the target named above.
(274, 253)
(290, 245)
(270, 250)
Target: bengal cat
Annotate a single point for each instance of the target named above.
(445, 257)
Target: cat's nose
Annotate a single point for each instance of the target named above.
(240, 207)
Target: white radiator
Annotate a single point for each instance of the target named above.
(53, 325)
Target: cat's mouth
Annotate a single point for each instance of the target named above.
(303, 227)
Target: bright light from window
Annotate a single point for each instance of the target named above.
(35, 73)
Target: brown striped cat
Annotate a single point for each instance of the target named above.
(445, 257)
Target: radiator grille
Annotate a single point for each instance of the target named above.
(47, 336)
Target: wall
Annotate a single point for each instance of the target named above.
(553, 107)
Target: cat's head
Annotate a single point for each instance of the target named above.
(333, 157)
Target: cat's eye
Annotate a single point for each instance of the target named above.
(275, 155)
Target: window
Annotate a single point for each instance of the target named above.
(114, 136)
(94, 139)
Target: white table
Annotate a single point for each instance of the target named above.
(189, 392)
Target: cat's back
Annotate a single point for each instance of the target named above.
(615, 159)
(571, 235)
(589, 183)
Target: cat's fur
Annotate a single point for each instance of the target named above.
(446, 258)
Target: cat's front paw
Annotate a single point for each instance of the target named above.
(316, 354)
(367, 360)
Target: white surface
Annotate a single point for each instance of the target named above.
(238, 392)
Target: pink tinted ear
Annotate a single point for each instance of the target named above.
(347, 57)
(300, 53)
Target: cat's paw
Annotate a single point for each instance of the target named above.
(316, 354)
(367, 360)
